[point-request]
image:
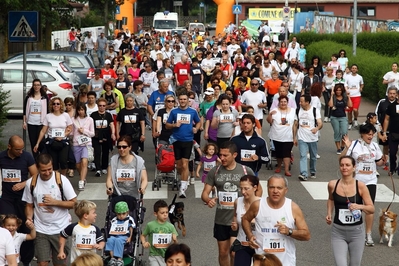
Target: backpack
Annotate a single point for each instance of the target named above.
(57, 179)
(314, 115)
(165, 159)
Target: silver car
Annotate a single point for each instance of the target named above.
(11, 79)
(62, 66)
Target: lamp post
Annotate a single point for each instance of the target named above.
(354, 27)
(286, 24)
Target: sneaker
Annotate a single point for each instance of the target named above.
(329, 120)
(192, 180)
(313, 175)
(349, 126)
(325, 119)
(119, 263)
(369, 240)
(339, 151)
(386, 168)
(81, 185)
(182, 194)
(302, 178)
(355, 124)
(112, 262)
(98, 173)
(104, 171)
(317, 156)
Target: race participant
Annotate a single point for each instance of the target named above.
(278, 221)
(272, 86)
(391, 78)
(367, 155)
(256, 99)
(182, 70)
(17, 166)
(184, 122)
(149, 78)
(306, 135)
(122, 83)
(283, 91)
(226, 179)
(48, 201)
(354, 83)
(253, 149)
(347, 196)
(8, 255)
(107, 72)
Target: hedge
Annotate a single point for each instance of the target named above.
(384, 43)
(372, 66)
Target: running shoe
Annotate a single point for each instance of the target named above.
(369, 240)
(98, 173)
(81, 185)
(303, 178)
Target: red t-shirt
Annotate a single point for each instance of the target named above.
(182, 71)
(72, 35)
(106, 75)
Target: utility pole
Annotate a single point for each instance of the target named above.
(354, 27)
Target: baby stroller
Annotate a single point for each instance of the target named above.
(133, 251)
(165, 171)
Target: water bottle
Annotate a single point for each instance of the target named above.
(356, 213)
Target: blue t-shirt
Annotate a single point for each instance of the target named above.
(302, 54)
(187, 116)
(157, 100)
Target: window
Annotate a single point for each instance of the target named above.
(364, 11)
(73, 62)
(311, 8)
(15, 76)
(44, 76)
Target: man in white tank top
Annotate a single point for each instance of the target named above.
(278, 221)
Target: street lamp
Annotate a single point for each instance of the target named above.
(354, 27)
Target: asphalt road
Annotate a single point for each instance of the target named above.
(310, 195)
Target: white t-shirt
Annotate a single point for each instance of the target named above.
(49, 220)
(281, 129)
(35, 112)
(353, 84)
(392, 75)
(18, 239)
(316, 102)
(91, 110)
(297, 80)
(232, 48)
(253, 99)
(342, 61)
(6, 245)
(57, 124)
(207, 64)
(365, 156)
(306, 123)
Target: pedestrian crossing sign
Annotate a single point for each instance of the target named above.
(23, 26)
(237, 9)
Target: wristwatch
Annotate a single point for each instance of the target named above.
(290, 231)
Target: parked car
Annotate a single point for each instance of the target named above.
(80, 62)
(179, 31)
(199, 26)
(11, 79)
(211, 25)
(59, 65)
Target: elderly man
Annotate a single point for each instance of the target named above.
(278, 222)
(182, 70)
(283, 91)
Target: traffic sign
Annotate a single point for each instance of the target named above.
(118, 10)
(23, 26)
(237, 9)
(286, 13)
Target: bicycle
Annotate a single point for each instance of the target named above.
(57, 45)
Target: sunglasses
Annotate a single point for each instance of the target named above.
(122, 147)
(170, 101)
(56, 103)
(254, 84)
(68, 104)
(120, 73)
(102, 105)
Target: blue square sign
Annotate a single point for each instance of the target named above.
(237, 9)
(23, 26)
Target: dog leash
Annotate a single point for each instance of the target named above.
(394, 193)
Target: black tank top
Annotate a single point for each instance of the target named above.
(256, 73)
(340, 203)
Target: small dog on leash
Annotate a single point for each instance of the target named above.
(176, 215)
(387, 226)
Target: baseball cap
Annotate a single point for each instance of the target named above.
(107, 62)
(209, 91)
(121, 207)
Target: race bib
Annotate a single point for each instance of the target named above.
(165, 118)
(227, 198)
(96, 87)
(304, 122)
(184, 118)
(119, 229)
(130, 118)
(196, 71)
(85, 241)
(226, 118)
(101, 123)
(82, 139)
(345, 216)
(246, 155)
(353, 88)
(125, 175)
(183, 71)
(161, 240)
(168, 76)
(11, 175)
(44, 207)
(106, 77)
(121, 85)
(35, 109)
(58, 133)
(159, 106)
(365, 168)
(274, 244)
(225, 73)
(209, 165)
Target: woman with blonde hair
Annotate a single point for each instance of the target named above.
(88, 259)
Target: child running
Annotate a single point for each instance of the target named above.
(121, 232)
(209, 160)
(11, 222)
(160, 234)
(85, 235)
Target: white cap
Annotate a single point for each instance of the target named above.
(107, 62)
(209, 91)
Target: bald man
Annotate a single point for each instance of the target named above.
(182, 71)
(17, 166)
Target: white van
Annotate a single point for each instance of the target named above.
(165, 21)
